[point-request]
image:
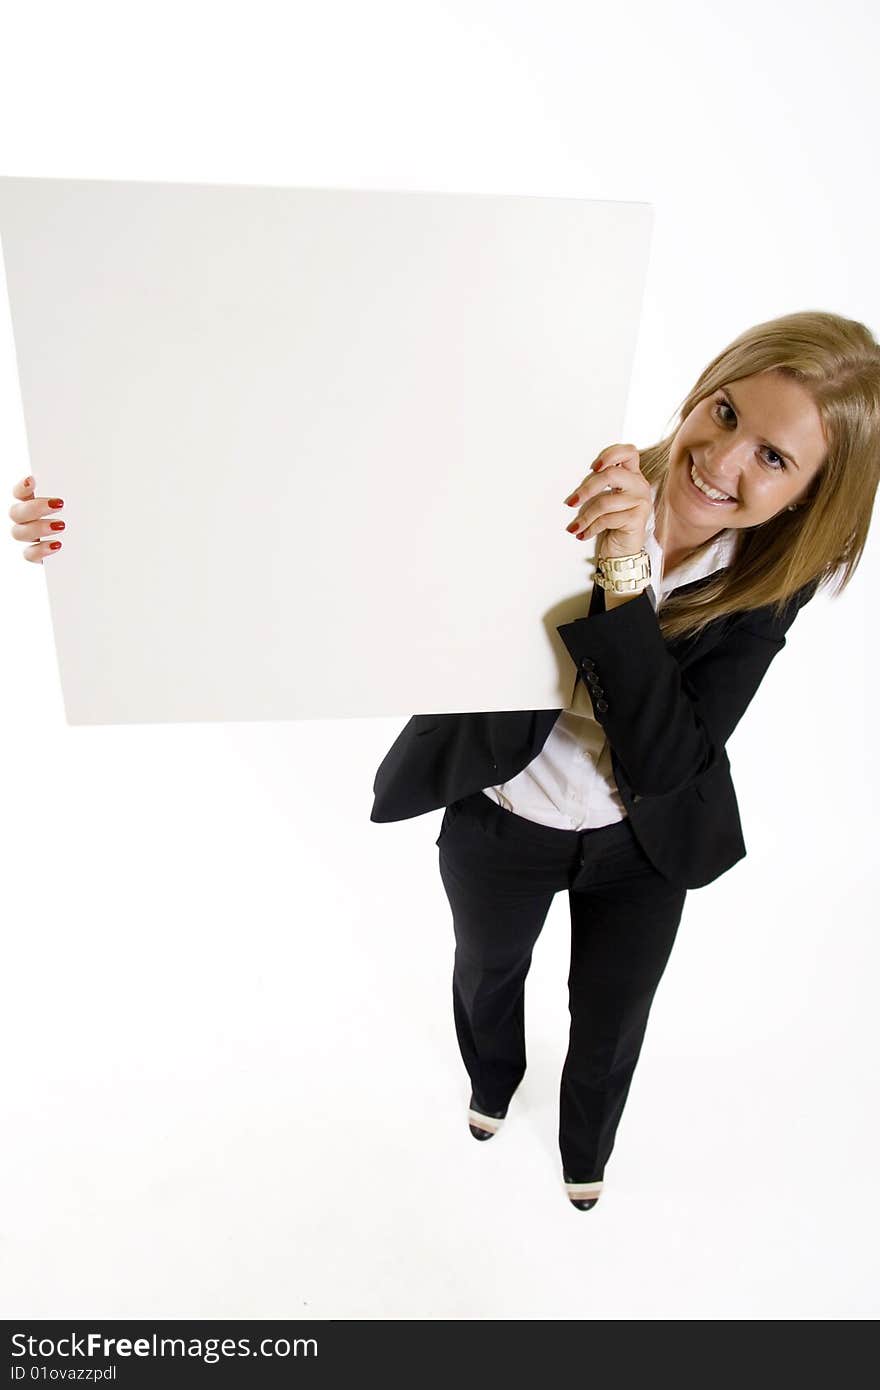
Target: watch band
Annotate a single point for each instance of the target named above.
(622, 574)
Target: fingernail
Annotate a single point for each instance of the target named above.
(55, 545)
(57, 525)
(570, 501)
(572, 527)
(56, 502)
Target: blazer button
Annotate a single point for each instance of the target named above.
(587, 664)
(601, 706)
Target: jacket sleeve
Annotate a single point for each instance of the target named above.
(668, 724)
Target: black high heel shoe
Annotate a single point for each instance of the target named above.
(582, 1195)
(484, 1123)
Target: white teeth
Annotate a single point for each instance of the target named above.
(709, 491)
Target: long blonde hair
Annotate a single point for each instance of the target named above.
(837, 360)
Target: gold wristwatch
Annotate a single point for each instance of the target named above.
(621, 574)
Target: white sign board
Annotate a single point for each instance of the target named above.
(314, 443)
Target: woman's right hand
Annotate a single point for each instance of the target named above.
(33, 517)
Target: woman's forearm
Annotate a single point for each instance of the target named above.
(669, 726)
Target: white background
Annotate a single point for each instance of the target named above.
(231, 1082)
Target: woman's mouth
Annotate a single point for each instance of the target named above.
(710, 496)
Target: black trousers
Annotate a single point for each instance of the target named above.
(501, 873)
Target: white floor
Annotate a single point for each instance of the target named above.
(232, 1088)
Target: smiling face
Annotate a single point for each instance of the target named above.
(759, 443)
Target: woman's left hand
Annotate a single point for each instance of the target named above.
(619, 517)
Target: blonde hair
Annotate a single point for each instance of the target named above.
(837, 360)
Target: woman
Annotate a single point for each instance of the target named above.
(625, 798)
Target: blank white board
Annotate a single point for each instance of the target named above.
(314, 443)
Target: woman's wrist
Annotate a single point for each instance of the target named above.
(624, 570)
(610, 547)
(623, 573)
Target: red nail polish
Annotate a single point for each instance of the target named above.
(570, 501)
(57, 525)
(56, 502)
(56, 545)
(573, 527)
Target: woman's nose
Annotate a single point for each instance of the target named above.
(725, 462)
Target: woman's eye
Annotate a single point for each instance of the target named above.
(778, 467)
(781, 465)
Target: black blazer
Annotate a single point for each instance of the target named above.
(667, 709)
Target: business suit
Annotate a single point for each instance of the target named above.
(667, 709)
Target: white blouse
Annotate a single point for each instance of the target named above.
(571, 784)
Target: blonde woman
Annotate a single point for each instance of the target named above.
(708, 544)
